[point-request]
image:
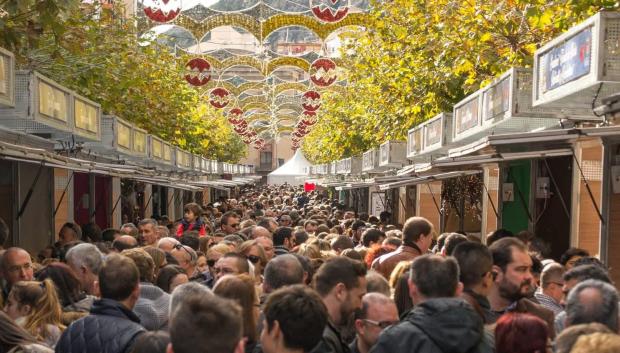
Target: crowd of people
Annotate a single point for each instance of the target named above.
(280, 270)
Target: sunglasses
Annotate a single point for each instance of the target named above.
(253, 258)
(211, 263)
(181, 246)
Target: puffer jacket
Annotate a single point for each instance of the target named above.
(110, 328)
(443, 325)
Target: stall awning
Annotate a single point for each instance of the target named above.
(355, 185)
(414, 168)
(603, 131)
(209, 184)
(500, 157)
(520, 142)
(372, 182)
(244, 180)
(428, 179)
(333, 183)
(407, 170)
(385, 179)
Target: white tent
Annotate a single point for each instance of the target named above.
(292, 172)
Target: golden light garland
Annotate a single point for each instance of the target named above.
(255, 105)
(287, 61)
(322, 29)
(253, 25)
(261, 31)
(242, 61)
(200, 29)
(253, 99)
(290, 86)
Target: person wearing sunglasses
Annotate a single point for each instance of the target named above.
(256, 255)
(186, 258)
(230, 222)
(378, 313)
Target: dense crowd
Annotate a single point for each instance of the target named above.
(281, 270)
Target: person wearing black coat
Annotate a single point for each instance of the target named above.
(436, 326)
(111, 326)
(439, 322)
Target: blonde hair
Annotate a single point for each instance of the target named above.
(597, 342)
(219, 248)
(43, 299)
(247, 246)
(310, 251)
(400, 268)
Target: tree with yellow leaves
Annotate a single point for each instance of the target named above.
(417, 58)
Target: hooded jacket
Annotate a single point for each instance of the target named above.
(110, 328)
(442, 325)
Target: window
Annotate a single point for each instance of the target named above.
(265, 158)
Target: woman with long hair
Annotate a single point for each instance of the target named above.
(35, 306)
(74, 301)
(256, 255)
(15, 339)
(400, 288)
(241, 289)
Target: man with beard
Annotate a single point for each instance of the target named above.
(341, 283)
(513, 281)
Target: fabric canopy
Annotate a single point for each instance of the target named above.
(291, 172)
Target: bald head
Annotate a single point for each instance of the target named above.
(124, 242)
(376, 307)
(16, 266)
(282, 271)
(375, 298)
(186, 257)
(593, 301)
(259, 231)
(167, 244)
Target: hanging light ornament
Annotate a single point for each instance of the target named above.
(241, 128)
(308, 118)
(162, 11)
(323, 72)
(219, 97)
(311, 101)
(259, 144)
(198, 72)
(235, 116)
(330, 10)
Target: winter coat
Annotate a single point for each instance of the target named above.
(525, 305)
(152, 307)
(110, 328)
(185, 226)
(386, 263)
(442, 325)
(331, 342)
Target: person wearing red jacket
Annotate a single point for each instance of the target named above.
(191, 220)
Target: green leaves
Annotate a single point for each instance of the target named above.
(95, 51)
(418, 58)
